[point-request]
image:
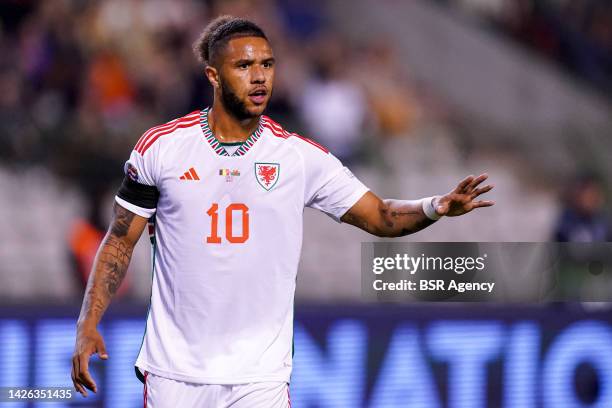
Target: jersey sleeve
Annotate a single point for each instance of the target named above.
(138, 192)
(330, 187)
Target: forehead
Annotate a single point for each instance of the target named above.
(250, 48)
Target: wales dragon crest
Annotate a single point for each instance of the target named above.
(267, 174)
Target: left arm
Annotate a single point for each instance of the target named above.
(396, 218)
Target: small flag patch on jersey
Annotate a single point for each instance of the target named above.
(229, 174)
(190, 175)
(267, 174)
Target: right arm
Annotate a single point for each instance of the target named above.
(109, 268)
(396, 218)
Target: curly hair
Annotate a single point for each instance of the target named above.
(218, 33)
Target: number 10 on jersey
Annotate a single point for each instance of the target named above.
(213, 212)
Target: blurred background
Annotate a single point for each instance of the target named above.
(412, 95)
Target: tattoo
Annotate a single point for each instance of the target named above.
(92, 304)
(395, 219)
(402, 221)
(122, 221)
(110, 266)
(356, 221)
(114, 259)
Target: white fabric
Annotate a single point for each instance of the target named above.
(230, 149)
(222, 313)
(143, 212)
(163, 392)
(429, 210)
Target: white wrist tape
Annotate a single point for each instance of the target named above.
(428, 208)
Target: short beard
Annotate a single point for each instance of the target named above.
(233, 105)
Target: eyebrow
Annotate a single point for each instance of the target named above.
(251, 61)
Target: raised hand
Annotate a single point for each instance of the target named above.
(462, 199)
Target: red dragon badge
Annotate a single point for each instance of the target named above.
(267, 174)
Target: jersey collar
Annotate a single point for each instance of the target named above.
(218, 147)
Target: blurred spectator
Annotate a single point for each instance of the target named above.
(583, 217)
(577, 34)
(302, 18)
(391, 97)
(333, 108)
(108, 83)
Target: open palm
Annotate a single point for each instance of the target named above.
(462, 199)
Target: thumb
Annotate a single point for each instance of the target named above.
(102, 350)
(442, 208)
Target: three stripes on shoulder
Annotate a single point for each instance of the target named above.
(151, 135)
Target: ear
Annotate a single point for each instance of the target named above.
(213, 76)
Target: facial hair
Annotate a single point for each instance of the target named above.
(232, 104)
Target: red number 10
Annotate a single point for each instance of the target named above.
(214, 237)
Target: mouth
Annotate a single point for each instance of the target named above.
(258, 95)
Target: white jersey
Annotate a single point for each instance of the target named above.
(228, 235)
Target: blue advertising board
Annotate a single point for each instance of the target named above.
(359, 356)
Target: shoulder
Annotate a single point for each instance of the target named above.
(165, 131)
(303, 144)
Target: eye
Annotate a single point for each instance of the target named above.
(243, 66)
(267, 64)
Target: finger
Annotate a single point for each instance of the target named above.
(77, 383)
(482, 190)
(101, 347)
(442, 209)
(464, 183)
(84, 376)
(73, 375)
(477, 181)
(79, 388)
(478, 204)
(73, 372)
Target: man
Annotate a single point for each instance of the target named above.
(224, 189)
(583, 217)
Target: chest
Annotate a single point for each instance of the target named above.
(265, 179)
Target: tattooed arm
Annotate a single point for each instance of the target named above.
(387, 218)
(396, 218)
(109, 269)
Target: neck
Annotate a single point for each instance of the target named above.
(227, 128)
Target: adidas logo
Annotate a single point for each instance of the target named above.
(190, 175)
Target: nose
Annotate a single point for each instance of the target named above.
(257, 75)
